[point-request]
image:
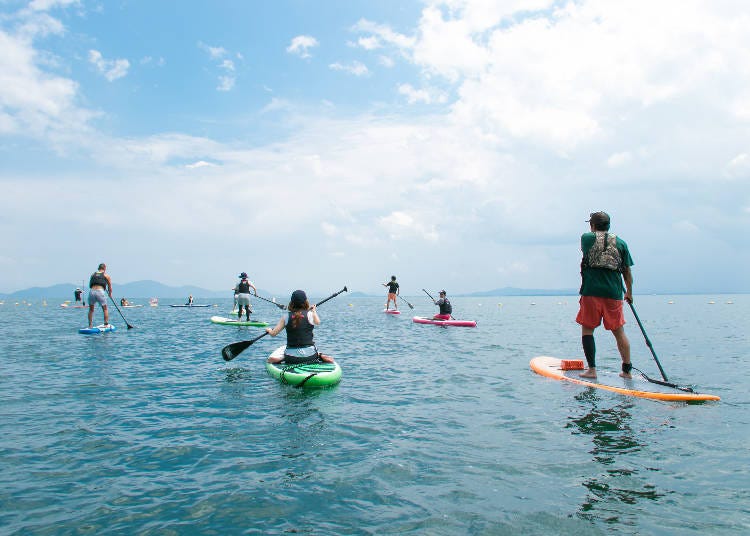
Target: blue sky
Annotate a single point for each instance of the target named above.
(458, 144)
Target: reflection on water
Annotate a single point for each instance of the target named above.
(614, 446)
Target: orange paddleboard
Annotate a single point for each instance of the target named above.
(551, 367)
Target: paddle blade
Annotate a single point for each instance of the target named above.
(231, 351)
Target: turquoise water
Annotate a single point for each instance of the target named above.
(431, 431)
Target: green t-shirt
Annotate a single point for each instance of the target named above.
(603, 282)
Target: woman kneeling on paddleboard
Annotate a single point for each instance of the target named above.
(299, 324)
(445, 307)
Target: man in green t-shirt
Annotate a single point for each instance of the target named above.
(605, 265)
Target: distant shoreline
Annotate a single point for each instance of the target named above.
(148, 289)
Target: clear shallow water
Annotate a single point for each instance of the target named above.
(431, 431)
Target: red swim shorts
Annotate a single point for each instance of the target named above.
(595, 309)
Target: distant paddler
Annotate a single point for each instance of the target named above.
(78, 294)
(445, 307)
(242, 295)
(100, 284)
(393, 291)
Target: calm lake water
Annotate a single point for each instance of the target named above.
(432, 430)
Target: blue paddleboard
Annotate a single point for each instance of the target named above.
(97, 329)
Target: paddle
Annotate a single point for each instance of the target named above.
(407, 303)
(118, 310)
(279, 305)
(231, 351)
(653, 353)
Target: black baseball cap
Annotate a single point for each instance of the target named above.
(598, 218)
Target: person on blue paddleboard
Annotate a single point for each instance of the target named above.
(189, 300)
(100, 284)
(299, 321)
(242, 295)
(393, 291)
(445, 307)
(605, 265)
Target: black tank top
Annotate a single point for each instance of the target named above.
(445, 307)
(300, 335)
(243, 287)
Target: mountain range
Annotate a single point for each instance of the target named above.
(148, 289)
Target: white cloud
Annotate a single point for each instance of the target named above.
(739, 166)
(329, 229)
(149, 60)
(424, 95)
(401, 225)
(215, 53)
(34, 102)
(560, 77)
(200, 164)
(369, 43)
(355, 67)
(46, 5)
(226, 83)
(301, 45)
(228, 79)
(385, 61)
(619, 159)
(110, 69)
(380, 35)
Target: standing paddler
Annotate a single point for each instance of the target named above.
(100, 284)
(605, 265)
(242, 293)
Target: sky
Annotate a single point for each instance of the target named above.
(456, 144)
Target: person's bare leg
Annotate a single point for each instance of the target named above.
(623, 345)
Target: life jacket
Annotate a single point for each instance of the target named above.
(97, 278)
(299, 331)
(445, 307)
(243, 287)
(603, 253)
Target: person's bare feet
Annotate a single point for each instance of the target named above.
(626, 375)
(590, 373)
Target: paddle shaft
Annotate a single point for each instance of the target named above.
(118, 310)
(231, 351)
(279, 305)
(407, 303)
(648, 342)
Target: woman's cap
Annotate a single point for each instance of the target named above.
(243, 275)
(443, 292)
(298, 297)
